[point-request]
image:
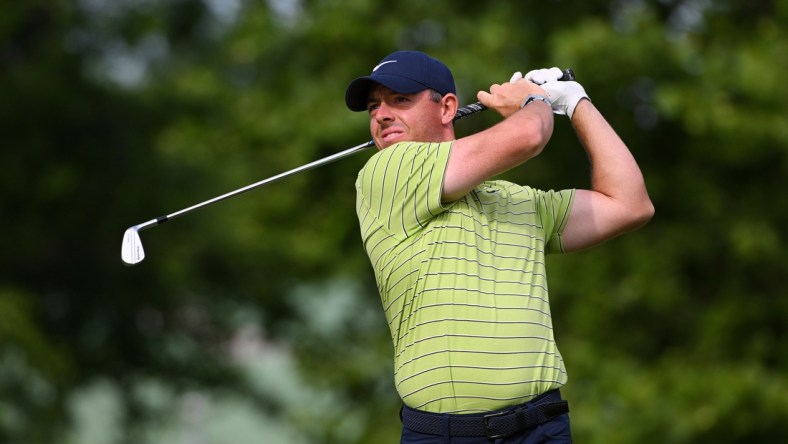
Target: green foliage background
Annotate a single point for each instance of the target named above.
(262, 309)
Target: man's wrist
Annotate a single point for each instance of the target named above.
(535, 97)
(571, 111)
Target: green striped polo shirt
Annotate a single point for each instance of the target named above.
(463, 284)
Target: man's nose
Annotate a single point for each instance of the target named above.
(383, 113)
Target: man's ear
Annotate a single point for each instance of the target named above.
(449, 105)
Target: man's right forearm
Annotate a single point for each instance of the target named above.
(519, 137)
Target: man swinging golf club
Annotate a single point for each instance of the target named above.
(459, 259)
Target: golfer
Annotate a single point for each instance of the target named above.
(459, 258)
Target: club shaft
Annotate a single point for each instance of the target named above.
(461, 112)
(305, 167)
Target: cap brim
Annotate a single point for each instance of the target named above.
(357, 92)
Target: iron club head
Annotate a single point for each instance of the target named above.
(131, 251)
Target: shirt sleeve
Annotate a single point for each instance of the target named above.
(401, 186)
(553, 209)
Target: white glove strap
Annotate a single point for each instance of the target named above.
(564, 96)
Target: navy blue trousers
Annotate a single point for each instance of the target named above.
(555, 431)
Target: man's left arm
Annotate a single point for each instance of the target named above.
(617, 201)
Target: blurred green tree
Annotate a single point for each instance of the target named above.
(116, 111)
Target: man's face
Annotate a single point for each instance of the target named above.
(396, 117)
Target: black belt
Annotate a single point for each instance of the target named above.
(492, 425)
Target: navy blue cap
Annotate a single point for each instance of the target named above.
(406, 72)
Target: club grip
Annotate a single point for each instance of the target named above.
(568, 76)
(473, 108)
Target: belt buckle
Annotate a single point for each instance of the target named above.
(486, 421)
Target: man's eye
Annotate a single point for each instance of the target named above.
(401, 99)
(372, 107)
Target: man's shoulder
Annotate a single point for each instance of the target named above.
(404, 151)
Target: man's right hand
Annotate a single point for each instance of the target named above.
(507, 98)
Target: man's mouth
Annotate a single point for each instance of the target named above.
(391, 135)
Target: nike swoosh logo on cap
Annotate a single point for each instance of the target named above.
(387, 61)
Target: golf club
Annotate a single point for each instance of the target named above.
(132, 252)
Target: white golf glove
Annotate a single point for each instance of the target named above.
(564, 96)
(516, 76)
